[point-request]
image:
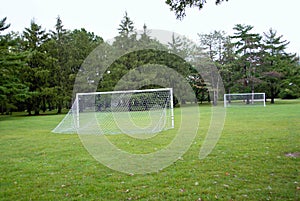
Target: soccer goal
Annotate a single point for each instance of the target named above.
(244, 99)
(115, 112)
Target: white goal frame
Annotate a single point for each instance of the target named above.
(250, 100)
(170, 104)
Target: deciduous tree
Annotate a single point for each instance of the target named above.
(180, 6)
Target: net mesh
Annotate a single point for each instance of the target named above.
(68, 124)
(129, 112)
(244, 99)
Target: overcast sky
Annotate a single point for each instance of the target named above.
(104, 16)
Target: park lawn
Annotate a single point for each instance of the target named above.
(250, 162)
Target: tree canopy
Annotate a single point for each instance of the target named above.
(38, 67)
(180, 6)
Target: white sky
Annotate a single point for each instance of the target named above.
(104, 16)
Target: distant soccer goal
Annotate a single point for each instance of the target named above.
(244, 99)
(115, 112)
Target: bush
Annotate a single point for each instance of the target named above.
(290, 93)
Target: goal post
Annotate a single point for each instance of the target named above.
(115, 112)
(244, 99)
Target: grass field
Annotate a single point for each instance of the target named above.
(255, 159)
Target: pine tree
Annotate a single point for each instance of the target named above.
(59, 51)
(145, 38)
(37, 72)
(228, 64)
(248, 48)
(3, 24)
(175, 46)
(276, 63)
(126, 28)
(12, 90)
(69, 49)
(127, 38)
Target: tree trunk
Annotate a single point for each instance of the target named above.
(29, 108)
(229, 99)
(44, 107)
(59, 109)
(215, 100)
(272, 95)
(49, 106)
(36, 111)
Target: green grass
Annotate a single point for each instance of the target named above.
(248, 163)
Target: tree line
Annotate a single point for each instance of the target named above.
(38, 67)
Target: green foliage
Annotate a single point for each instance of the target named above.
(12, 91)
(138, 59)
(214, 44)
(3, 24)
(249, 62)
(126, 27)
(36, 74)
(38, 67)
(248, 50)
(179, 7)
(276, 65)
(290, 91)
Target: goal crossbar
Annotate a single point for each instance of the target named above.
(126, 91)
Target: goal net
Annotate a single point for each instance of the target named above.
(116, 112)
(244, 99)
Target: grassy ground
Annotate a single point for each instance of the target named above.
(248, 163)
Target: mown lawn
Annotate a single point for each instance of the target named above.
(255, 159)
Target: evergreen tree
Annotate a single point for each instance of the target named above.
(12, 90)
(69, 49)
(81, 44)
(127, 35)
(175, 46)
(143, 52)
(228, 62)
(59, 51)
(276, 63)
(147, 42)
(145, 38)
(126, 28)
(3, 24)
(36, 74)
(248, 48)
